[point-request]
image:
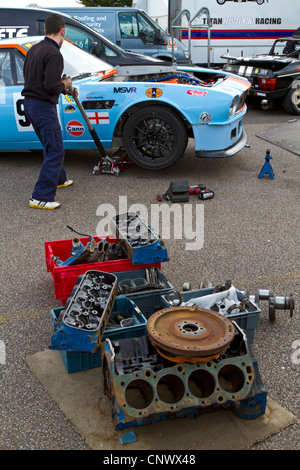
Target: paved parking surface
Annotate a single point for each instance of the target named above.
(251, 236)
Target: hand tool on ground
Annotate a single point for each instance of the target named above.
(202, 191)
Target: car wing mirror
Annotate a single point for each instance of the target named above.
(96, 49)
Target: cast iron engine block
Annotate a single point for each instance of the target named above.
(144, 387)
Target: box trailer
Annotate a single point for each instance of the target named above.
(234, 27)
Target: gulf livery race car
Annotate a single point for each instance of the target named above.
(149, 112)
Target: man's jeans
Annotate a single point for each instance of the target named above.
(44, 119)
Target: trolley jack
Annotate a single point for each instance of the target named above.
(108, 165)
(113, 165)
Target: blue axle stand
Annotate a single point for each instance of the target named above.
(267, 168)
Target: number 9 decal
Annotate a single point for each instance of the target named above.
(21, 120)
(21, 112)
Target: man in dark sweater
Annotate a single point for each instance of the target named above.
(43, 68)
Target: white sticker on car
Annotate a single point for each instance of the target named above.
(22, 122)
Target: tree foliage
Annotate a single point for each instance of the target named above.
(106, 3)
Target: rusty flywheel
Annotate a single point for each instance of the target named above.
(190, 331)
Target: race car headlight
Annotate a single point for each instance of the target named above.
(233, 106)
(186, 53)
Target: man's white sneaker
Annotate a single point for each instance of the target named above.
(65, 184)
(43, 205)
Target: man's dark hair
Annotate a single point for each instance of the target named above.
(54, 23)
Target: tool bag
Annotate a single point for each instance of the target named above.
(178, 191)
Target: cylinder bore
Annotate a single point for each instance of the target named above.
(201, 384)
(139, 394)
(170, 389)
(231, 378)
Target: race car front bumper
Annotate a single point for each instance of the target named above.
(235, 148)
(220, 140)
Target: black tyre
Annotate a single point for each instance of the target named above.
(291, 102)
(154, 137)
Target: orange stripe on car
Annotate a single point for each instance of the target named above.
(13, 46)
(240, 81)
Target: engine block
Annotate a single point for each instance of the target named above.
(144, 387)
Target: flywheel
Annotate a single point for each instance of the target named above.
(190, 331)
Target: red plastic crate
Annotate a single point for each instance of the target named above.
(65, 277)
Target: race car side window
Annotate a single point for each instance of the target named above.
(80, 38)
(88, 42)
(6, 78)
(11, 67)
(296, 53)
(109, 52)
(19, 65)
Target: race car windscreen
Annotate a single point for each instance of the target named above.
(79, 63)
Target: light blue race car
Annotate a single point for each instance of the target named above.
(150, 113)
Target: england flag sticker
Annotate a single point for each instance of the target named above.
(98, 118)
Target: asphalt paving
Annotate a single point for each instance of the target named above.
(251, 236)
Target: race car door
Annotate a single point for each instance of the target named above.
(16, 132)
(14, 128)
